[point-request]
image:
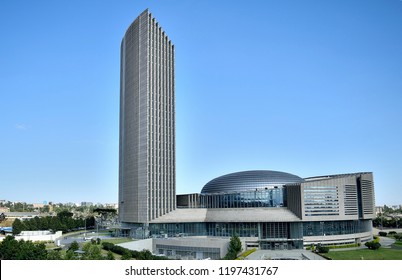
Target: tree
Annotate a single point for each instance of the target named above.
(45, 209)
(64, 215)
(92, 252)
(90, 222)
(39, 223)
(373, 245)
(126, 255)
(110, 255)
(45, 223)
(11, 249)
(144, 255)
(54, 255)
(74, 246)
(235, 244)
(18, 207)
(107, 246)
(322, 249)
(30, 251)
(31, 224)
(70, 255)
(54, 224)
(8, 248)
(18, 226)
(398, 236)
(234, 248)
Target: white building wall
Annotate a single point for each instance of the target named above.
(39, 235)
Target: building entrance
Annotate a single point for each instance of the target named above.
(275, 245)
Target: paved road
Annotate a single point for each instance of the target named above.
(386, 242)
(283, 254)
(377, 230)
(80, 237)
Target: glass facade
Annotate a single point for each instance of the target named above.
(268, 197)
(187, 252)
(321, 200)
(249, 180)
(264, 231)
(274, 235)
(273, 230)
(230, 229)
(324, 228)
(310, 211)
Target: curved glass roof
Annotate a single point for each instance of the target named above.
(249, 180)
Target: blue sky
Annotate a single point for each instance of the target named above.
(306, 87)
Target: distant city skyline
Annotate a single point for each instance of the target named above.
(263, 85)
(79, 203)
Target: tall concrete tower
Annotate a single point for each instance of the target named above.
(147, 181)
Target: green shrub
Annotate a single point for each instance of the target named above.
(128, 254)
(234, 248)
(373, 245)
(107, 246)
(245, 254)
(398, 236)
(322, 249)
(344, 246)
(382, 233)
(110, 255)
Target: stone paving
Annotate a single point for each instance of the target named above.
(283, 255)
(305, 254)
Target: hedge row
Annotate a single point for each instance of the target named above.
(142, 255)
(344, 246)
(373, 245)
(245, 254)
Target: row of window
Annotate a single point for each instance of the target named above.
(271, 230)
(275, 197)
(321, 200)
(336, 227)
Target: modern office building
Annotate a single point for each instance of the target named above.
(276, 210)
(147, 123)
(266, 209)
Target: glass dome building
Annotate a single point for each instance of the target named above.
(267, 209)
(256, 188)
(249, 180)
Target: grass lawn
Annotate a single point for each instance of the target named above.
(398, 244)
(51, 245)
(366, 254)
